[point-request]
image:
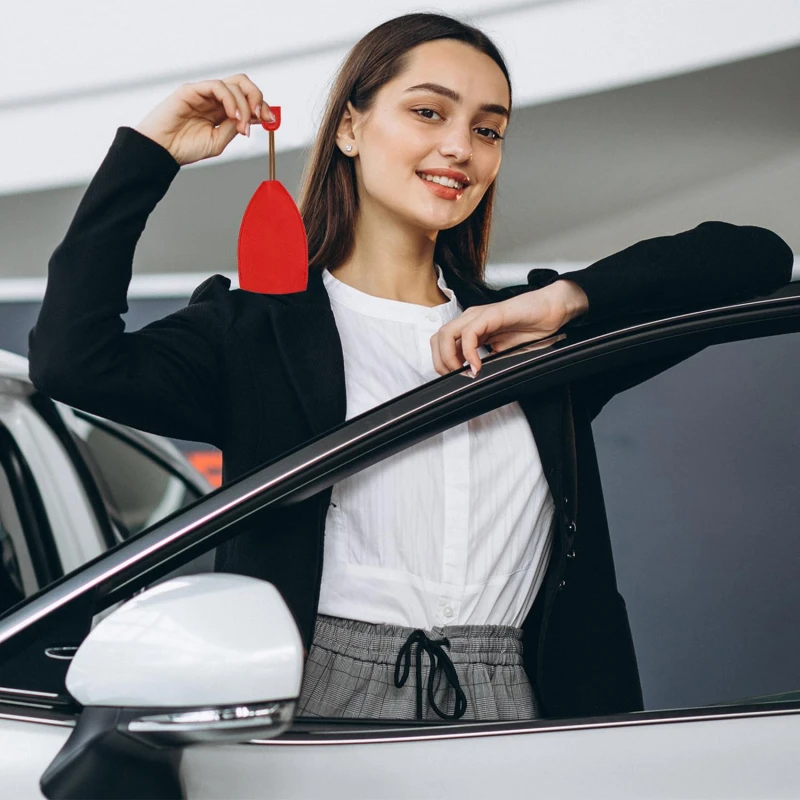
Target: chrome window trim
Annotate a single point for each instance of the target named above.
(390, 415)
(415, 732)
(477, 729)
(60, 723)
(30, 693)
(45, 701)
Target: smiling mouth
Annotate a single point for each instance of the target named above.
(440, 180)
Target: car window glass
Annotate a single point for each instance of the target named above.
(452, 531)
(137, 489)
(719, 378)
(17, 578)
(699, 468)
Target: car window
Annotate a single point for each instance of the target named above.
(298, 475)
(699, 470)
(17, 578)
(138, 490)
(29, 558)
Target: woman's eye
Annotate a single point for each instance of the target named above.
(426, 113)
(489, 133)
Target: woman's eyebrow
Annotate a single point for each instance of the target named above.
(452, 94)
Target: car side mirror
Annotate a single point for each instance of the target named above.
(200, 658)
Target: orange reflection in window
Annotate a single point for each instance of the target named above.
(209, 462)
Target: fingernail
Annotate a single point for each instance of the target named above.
(257, 110)
(238, 115)
(247, 129)
(270, 115)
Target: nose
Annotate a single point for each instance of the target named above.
(457, 144)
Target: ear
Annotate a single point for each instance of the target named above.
(345, 133)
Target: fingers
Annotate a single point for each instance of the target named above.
(219, 91)
(241, 99)
(448, 349)
(243, 111)
(504, 325)
(458, 341)
(253, 96)
(469, 348)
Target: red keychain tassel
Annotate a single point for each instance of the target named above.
(273, 249)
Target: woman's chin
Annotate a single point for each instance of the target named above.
(435, 222)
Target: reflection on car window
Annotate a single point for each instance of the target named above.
(138, 491)
(699, 469)
(12, 551)
(17, 578)
(414, 555)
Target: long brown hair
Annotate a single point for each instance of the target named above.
(329, 198)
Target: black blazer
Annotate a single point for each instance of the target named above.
(256, 375)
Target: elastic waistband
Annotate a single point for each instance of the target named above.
(380, 643)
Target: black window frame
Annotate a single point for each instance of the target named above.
(385, 430)
(31, 510)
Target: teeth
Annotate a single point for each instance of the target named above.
(442, 181)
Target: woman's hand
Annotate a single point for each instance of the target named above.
(532, 315)
(199, 120)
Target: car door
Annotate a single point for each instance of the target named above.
(698, 461)
(728, 739)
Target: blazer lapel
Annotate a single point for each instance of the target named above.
(545, 413)
(309, 344)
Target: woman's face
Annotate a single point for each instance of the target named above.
(442, 116)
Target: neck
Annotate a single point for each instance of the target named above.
(392, 261)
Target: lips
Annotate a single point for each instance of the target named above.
(444, 192)
(452, 182)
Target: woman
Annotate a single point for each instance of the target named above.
(397, 202)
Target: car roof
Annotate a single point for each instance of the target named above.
(13, 365)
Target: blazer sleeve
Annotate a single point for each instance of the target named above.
(714, 263)
(166, 378)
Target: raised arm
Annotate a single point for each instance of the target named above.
(169, 377)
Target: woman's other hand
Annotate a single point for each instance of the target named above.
(199, 120)
(528, 316)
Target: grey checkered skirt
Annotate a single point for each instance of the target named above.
(350, 672)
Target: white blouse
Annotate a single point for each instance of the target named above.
(454, 530)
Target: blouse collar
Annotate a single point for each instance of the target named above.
(382, 308)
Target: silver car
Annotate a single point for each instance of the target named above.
(73, 485)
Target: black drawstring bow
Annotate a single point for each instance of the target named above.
(439, 660)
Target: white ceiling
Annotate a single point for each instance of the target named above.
(82, 68)
(582, 177)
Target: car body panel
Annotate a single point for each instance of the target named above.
(753, 757)
(27, 746)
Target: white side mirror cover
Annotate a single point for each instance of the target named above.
(201, 640)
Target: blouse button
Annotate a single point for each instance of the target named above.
(447, 611)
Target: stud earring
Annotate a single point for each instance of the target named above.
(348, 147)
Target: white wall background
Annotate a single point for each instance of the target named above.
(633, 117)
